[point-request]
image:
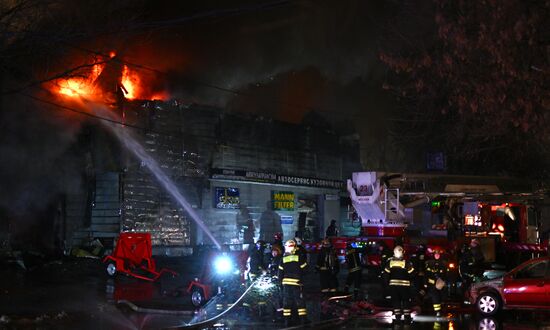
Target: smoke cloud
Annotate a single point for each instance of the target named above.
(283, 62)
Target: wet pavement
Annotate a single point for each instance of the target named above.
(76, 293)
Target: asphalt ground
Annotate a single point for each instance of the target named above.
(76, 293)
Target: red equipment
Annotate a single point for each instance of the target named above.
(204, 288)
(133, 256)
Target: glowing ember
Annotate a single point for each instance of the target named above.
(160, 96)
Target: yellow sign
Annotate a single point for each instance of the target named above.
(283, 200)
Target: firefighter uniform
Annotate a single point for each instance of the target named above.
(257, 266)
(278, 241)
(256, 261)
(400, 273)
(328, 267)
(300, 249)
(435, 269)
(471, 263)
(273, 271)
(291, 272)
(354, 270)
(418, 260)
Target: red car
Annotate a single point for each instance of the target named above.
(525, 287)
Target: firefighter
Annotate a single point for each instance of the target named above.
(436, 275)
(465, 269)
(354, 270)
(400, 273)
(470, 264)
(332, 230)
(256, 263)
(278, 241)
(300, 250)
(328, 268)
(291, 272)
(276, 258)
(418, 260)
(273, 271)
(477, 256)
(258, 266)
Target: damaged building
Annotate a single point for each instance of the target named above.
(246, 177)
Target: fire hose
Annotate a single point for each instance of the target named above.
(200, 324)
(259, 283)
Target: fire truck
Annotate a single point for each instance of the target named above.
(446, 212)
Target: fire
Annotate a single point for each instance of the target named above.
(160, 96)
(131, 82)
(80, 86)
(91, 85)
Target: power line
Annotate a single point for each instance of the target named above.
(84, 113)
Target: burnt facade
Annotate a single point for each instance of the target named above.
(260, 167)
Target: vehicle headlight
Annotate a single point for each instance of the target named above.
(223, 265)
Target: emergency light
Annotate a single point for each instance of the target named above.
(223, 265)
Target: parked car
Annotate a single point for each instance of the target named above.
(525, 287)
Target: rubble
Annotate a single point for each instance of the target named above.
(94, 249)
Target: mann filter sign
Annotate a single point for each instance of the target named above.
(283, 200)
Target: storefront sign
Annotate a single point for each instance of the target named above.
(287, 219)
(283, 200)
(226, 198)
(243, 175)
(310, 182)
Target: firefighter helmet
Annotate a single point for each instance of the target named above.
(398, 251)
(290, 246)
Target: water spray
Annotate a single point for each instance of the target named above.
(137, 149)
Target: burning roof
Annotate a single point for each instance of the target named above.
(107, 79)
